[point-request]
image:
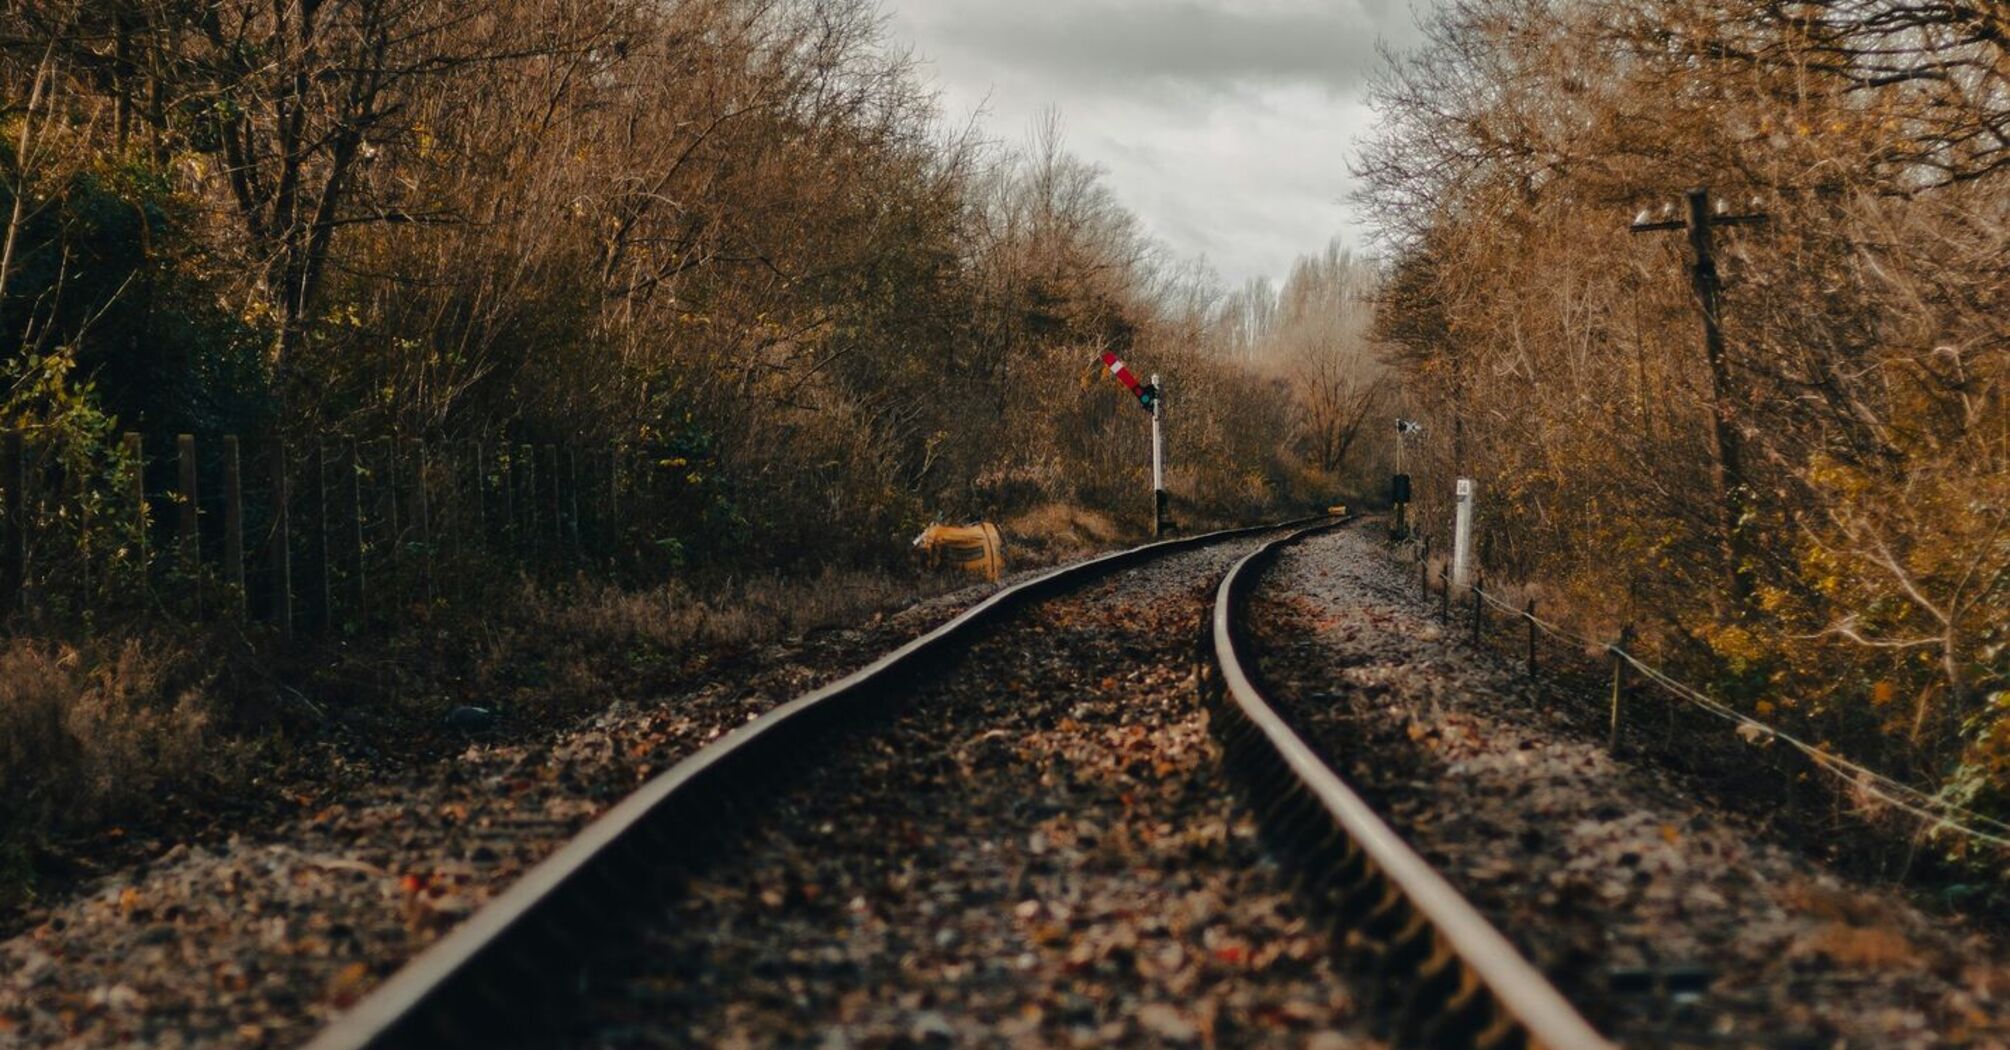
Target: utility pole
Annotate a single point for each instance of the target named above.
(1727, 468)
(1159, 522)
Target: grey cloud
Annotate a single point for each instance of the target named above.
(1223, 124)
(1181, 42)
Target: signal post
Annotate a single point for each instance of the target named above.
(1159, 522)
(1151, 400)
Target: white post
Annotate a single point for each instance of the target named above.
(1158, 461)
(1462, 535)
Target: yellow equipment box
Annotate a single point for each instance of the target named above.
(976, 549)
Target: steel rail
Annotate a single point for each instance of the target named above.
(503, 974)
(1447, 977)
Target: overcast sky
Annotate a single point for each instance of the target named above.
(1226, 125)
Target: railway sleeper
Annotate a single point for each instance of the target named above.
(1425, 1001)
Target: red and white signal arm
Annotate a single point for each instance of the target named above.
(1147, 395)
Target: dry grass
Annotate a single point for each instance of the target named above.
(1057, 530)
(107, 733)
(84, 737)
(739, 612)
(538, 652)
(1856, 930)
(89, 736)
(1858, 947)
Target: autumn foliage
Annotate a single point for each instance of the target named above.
(1857, 593)
(730, 236)
(729, 230)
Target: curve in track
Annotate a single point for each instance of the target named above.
(508, 964)
(1450, 979)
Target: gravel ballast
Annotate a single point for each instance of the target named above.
(259, 939)
(1040, 851)
(1615, 879)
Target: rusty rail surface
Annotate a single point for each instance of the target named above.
(511, 969)
(1447, 977)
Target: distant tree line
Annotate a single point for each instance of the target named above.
(731, 231)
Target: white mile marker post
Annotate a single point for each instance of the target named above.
(1158, 461)
(1462, 535)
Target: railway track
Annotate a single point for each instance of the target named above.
(1445, 975)
(921, 797)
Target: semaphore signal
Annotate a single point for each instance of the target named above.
(1153, 402)
(1146, 393)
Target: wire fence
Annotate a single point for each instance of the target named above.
(328, 534)
(1936, 814)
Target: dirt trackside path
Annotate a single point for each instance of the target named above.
(1602, 870)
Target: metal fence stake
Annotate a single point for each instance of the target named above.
(1478, 612)
(1530, 613)
(233, 525)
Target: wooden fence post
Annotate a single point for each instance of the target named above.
(189, 533)
(452, 512)
(1445, 595)
(610, 537)
(481, 480)
(281, 545)
(422, 498)
(508, 478)
(422, 516)
(1618, 684)
(76, 489)
(529, 509)
(14, 564)
(135, 452)
(358, 548)
(1424, 568)
(572, 498)
(233, 525)
(324, 544)
(389, 487)
(554, 490)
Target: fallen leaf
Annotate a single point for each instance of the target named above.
(348, 984)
